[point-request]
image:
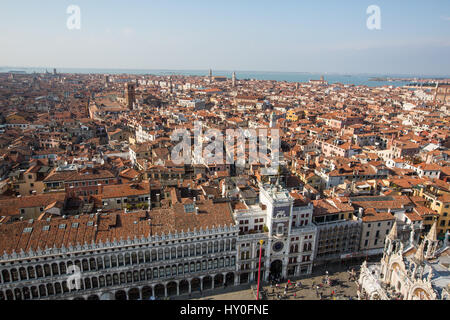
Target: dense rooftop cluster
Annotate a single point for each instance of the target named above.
(73, 145)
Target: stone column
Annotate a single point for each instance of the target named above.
(178, 288)
(201, 283)
(165, 290)
(189, 282)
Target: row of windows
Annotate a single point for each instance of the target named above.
(117, 279)
(118, 260)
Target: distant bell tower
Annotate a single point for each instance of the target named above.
(273, 120)
(130, 94)
(210, 75)
(233, 79)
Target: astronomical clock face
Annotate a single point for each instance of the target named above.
(278, 246)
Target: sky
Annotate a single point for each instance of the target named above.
(245, 35)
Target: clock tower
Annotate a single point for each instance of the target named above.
(278, 204)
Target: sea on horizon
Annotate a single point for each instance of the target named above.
(355, 79)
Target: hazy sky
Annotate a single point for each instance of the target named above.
(311, 36)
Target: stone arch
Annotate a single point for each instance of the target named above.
(93, 297)
(244, 278)
(50, 289)
(375, 296)
(116, 279)
(134, 258)
(87, 283)
(94, 282)
(149, 274)
(135, 276)
(2, 296)
(99, 263)
(122, 278)
(39, 271)
(9, 295)
(166, 254)
(140, 257)
(58, 288)
(133, 294)
(142, 276)
(92, 264)
(26, 293)
(207, 283)
(421, 293)
(101, 281)
(14, 275)
(172, 288)
(276, 268)
(17, 294)
(31, 272)
(127, 259)
(218, 280)
(120, 295)
(229, 279)
(159, 290)
(106, 296)
(129, 277)
(42, 291)
(184, 286)
(85, 265)
(34, 292)
(62, 268)
(174, 270)
(6, 276)
(147, 292)
(120, 260)
(23, 273)
(195, 284)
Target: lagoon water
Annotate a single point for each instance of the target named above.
(356, 79)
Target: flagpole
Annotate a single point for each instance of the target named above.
(259, 268)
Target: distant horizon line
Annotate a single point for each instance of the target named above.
(230, 71)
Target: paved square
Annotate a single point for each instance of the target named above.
(343, 287)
